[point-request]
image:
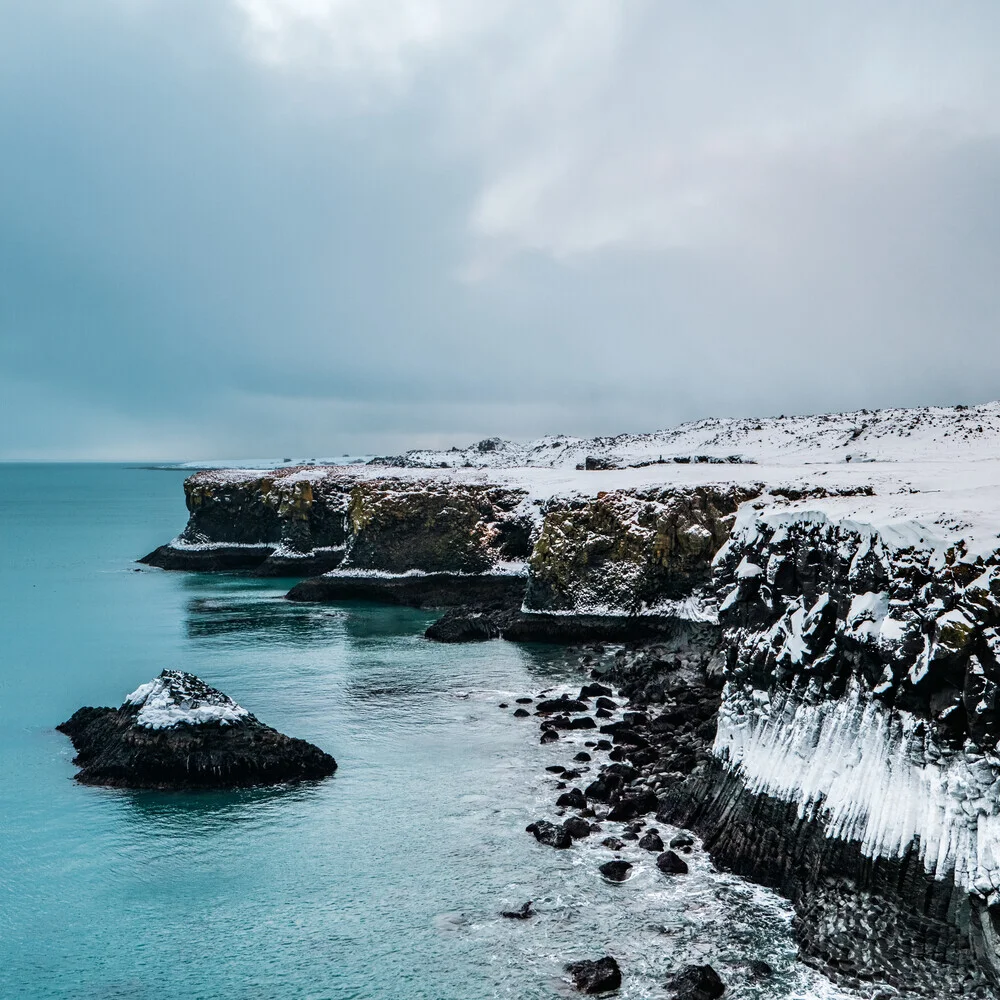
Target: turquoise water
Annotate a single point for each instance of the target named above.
(383, 882)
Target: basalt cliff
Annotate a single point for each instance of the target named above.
(829, 587)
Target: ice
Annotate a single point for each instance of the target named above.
(869, 775)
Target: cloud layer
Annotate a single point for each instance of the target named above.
(345, 225)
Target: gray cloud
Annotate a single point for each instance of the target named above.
(332, 225)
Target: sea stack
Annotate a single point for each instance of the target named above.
(177, 732)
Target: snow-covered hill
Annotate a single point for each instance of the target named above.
(897, 435)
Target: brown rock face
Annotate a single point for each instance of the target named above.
(396, 525)
(627, 549)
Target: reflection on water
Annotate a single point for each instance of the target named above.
(241, 619)
(201, 813)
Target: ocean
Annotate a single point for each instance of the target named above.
(385, 881)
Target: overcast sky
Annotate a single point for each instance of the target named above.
(286, 227)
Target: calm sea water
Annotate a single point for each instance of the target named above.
(383, 882)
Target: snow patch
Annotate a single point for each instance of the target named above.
(178, 698)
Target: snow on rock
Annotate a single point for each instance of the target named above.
(864, 680)
(178, 698)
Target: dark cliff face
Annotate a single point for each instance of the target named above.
(307, 521)
(395, 525)
(627, 551)
(292, 520)
(855, 765)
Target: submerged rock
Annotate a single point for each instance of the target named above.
(524, 913)
(177, 732)
(601, 976)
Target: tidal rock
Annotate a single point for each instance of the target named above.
(522, 914)
(606, 704)
(583, 757)
(601, 976)
(564, 704)
(671, 864)
(760, 969)
(573, 799)
(595, 691)
(616, 871)
(696, 982)
(683, 841)
(613, 843)
(651, 841)
(549, 736)
(630, 806)
(550, 834)
(520, 713)
(176, 732)
(577, 827)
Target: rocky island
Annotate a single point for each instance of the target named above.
(805, 616)
(176, 732)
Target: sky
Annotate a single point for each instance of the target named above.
(234, 228)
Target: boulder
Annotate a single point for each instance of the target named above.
(522, 914)
(651, 841)
(616, 871)
(550, 834)
(630, 806)
(671, 864)
(696, 982)
(577, 827)
(564, 704)
(463, 625)
(573, 799)
(177, 732)
(601, 976)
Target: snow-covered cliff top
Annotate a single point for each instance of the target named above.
(933, 472)
(897, 435)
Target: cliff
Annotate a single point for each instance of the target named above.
(855, 759)
(843, 615)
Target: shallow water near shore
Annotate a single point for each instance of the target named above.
(382, 882)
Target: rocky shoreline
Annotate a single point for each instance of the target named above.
(807, 677)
